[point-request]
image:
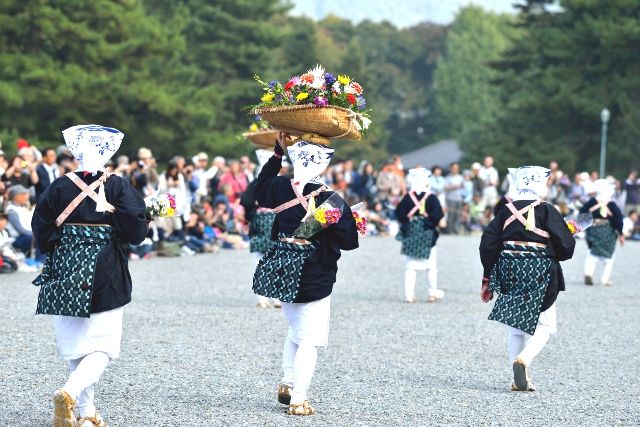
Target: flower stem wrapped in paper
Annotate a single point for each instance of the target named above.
(358, 216)
(160, 205)
(577, 223)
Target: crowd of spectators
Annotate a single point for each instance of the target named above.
(209, 194)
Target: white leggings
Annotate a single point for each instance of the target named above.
(85, 373)
(590, 263)
(298, 366)
(527, 347)
(411, 272)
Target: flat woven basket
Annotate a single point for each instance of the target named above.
(329, 122)
(265, 138)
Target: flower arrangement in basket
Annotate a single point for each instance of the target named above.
(316, 102)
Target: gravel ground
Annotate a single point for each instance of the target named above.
(196, 351)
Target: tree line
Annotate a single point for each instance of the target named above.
(177, 76)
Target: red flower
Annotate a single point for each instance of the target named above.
(306, 78)
(289, 85)
(351, 98)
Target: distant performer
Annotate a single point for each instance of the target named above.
(520, 251)
(419, 213)
(602, 236)
(301, 272)
(85, 221)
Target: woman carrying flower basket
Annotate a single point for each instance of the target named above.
(298, 271)
(602, 237)
(520, 251)
(85, 221)
(419, 213)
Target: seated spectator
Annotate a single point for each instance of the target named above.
(8, 258)
(631, 226)
(19, 215)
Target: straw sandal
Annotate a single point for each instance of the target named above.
(63, 405)
(96, 421)
(530, 387)
(301, 409)
(521, 376)
(284, 394)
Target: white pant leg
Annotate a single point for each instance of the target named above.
(590, 264)
(515, 343)
(85, 373)
(304, 367)
(432, 274)
(410, 275)
(606, 271)
(546, 327)
(288, 360)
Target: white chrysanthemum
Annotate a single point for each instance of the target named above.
(336, 87)
(318, 76)
(349, 89)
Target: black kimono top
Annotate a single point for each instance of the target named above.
(112, 283)
(615, 219)
(560, 244)
(432, 207)
(320, 268)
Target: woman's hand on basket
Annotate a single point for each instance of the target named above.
(280, 144)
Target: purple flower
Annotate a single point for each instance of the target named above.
(329, 79)
(272, 84)
(321, 101)
(360, 102)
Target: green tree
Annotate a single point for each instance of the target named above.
(464, 96)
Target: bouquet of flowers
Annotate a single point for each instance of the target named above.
(319, 89)
(328, 213)
(361, 220)
(577, 223)
(160, 205)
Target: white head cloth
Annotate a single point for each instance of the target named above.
(309, 161)
(530, 182)
(605, 190)
(92, 145)
(419, 180)
(263, 156)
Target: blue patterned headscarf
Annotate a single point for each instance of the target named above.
(309, 161)
(92, 145)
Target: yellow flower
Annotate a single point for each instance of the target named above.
(319, 216)
(253, 127)
(267, 97)
(170, 212)
(302, 95)
(345, 80)
(572, 228)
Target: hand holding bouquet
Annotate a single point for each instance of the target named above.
(358, 216)
(160, 205)
(317, 219)
(577, 223)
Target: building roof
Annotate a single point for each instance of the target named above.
(440, 153)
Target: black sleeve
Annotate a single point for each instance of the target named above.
(43, 223)
(491, 245)
(591, 203)
(264, 191)
(434, 209)
(130, 215)
(561, 238)
(403, 208)
(617, 219)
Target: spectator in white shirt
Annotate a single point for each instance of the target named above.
(489, 180)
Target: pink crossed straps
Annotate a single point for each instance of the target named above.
(87, 191)
(518, 214)
(299, 200)
(417, 203)
(598, 206)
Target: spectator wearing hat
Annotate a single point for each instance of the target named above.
(47, 171)
(19, 217)
(199, 177)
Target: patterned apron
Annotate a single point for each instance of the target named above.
(260, 230)
(417, 240)
(601, 239)
(279, 271)
(520, 277)
(66, 281)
